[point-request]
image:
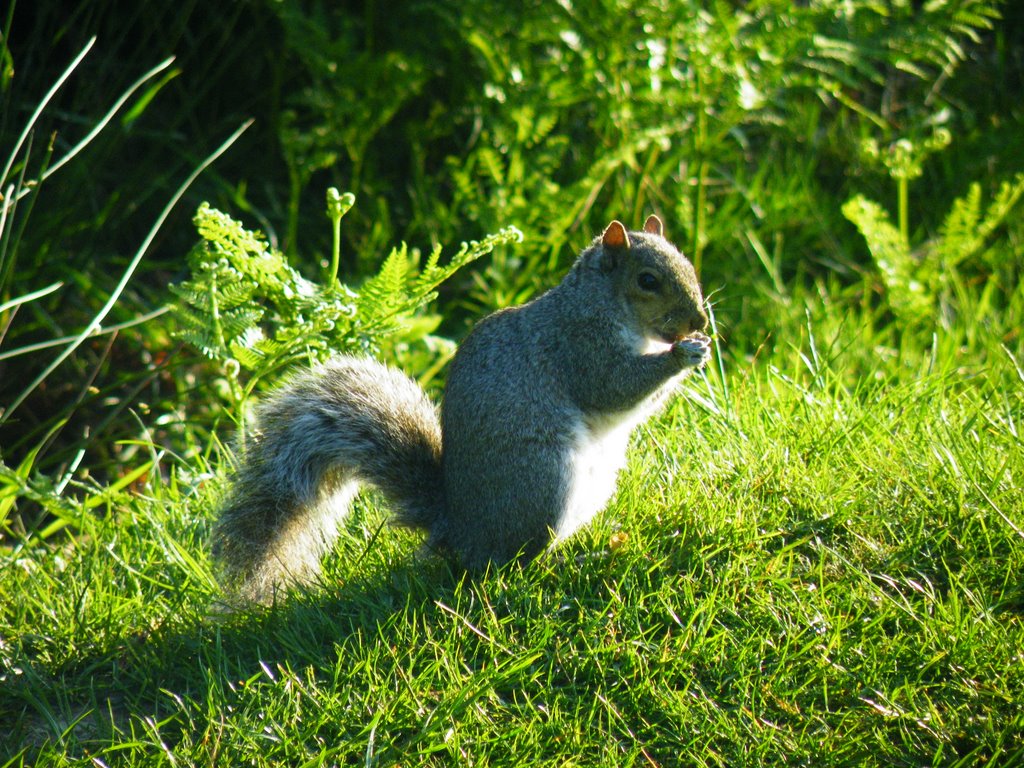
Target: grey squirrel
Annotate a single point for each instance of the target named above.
(536, 417)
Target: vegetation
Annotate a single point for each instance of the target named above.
(815, 556)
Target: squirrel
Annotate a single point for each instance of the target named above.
(534, 424)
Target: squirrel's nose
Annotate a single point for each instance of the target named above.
(698, 321)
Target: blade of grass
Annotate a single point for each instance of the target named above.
(105, 120)
(29, 348)
(27, 131)
(119, 289)
(29, 297)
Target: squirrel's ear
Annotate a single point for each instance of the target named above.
(615, 236)
(653, 226)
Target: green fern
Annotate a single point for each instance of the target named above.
(399, 289)
(897, 266)
(927, 282)
(247, 309)
(967, 228)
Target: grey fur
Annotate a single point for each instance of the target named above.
(537, 413)
(347, 422)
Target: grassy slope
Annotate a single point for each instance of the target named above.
(821, 566)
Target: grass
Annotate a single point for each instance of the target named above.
(813, 559)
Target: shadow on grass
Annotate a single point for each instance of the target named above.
(148, 689)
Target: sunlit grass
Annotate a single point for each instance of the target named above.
(805, 572)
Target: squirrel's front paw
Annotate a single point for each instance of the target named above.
(693, 351)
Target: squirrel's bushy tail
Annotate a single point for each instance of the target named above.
(347, 422)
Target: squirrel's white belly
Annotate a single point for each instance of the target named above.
(599, 455)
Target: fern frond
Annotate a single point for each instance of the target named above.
(967, 228)
(203, 341)
(1006, 199)
(225, 234)
(244, 303)
(390, 280)
(960, 235)
(240, 322)
(908, 298)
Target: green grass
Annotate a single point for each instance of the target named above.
(815, 560)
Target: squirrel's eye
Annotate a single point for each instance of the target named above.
(648, 282)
